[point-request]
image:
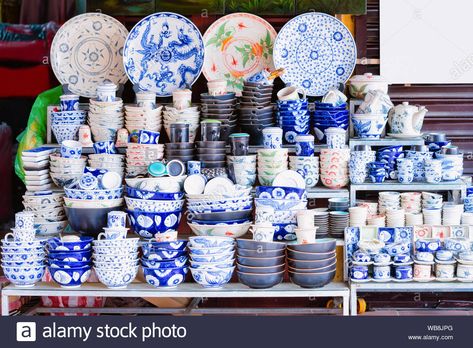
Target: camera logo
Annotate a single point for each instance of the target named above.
(26, 332)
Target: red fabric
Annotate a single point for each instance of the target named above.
(24, 82)
(6, 171)
(24, 51)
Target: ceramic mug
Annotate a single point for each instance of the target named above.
(22, 235)
(381, 272)
(106, 92)
(272, 137)
(179, 133)
(263, 232)
(24, 220)
(210, 130)
(359, 272)
(113, 233)
(422, 271)
(306, 236)
(264, 214)
(148, 137)
(69, 102)
(335, 138)
(71, 149)
(107, 147)
(146, 100)
(116, 219)
(305, 219)
(425, 256)
(182, 98)
(291, 93)
(193, 167)
(444, 271)
(305, 145)
(334, 97)
(239, 144)
(217, 87)
(85, 136)
(403, 272)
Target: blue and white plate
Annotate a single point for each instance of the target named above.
(163, 52)
(317, 52)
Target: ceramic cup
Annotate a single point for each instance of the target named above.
(217, 87)
(306, 236)
(403, 272)
(21, 235)
(263, 232)
(291, 93)
(239, 144)
(334, 97)
(335, 138)
(71, 149)
(105, 147)
(181, 98)
(122, 137)
(381, 272)
(179, 133)
(146, 100)
(359, 272)
(193, 167)
(116, 219)
(24, 220)
(148, 137)
(264, 214)
(305, 219)
(210, 130)
(106, 92)
(69, 102)
(272, 137)
(444, 271)
(433, 170)
(422, 271)
(113, 233)
(85, 136)
(305, 145)
(405, 170)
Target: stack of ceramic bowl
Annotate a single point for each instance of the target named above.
(140, 156)
(256, 111)
(183, 152)
(211, 154)
(222, 108)
(65, 171)
(190, 116)
(260, 265)
(294, 118)
(116, 261)
(69, 260)
(395, 217)
(358, 216)
(46, 201)
(334, 167)
(142, 117)
(467, 218)
(411, 202)
(388, 200)
(358, 165)
(328, 116)
(36, 168)
(271, 162)
(105, 119)
(321, 220)
(432, 200)
(22, 254)
(212, 260)
(419, 154)
(377, 172)
(66, 123)
(452, 162)
(309, 166)
(451, 214)
(312, 265)
(242, 169)
(338, 204)
(388, 156)
(110, 162)
(165, 263)
(414, 219)
(338, 221)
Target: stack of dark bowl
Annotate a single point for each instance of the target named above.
(223, 108)
(256, 111)
(212, 155)
(312, 265)
(261, 265)
(183, 152)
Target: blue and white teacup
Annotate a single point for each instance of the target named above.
(71, 149)
(360, 256)
(24, 220)
(402, 258)
(335, 138)
(382, 272)
(425, 256)
(106, 92)
(305, 145)
(272, 138)
(403, 272)
(334, 97)
(88, 182)
(148, 137)
(113, 233)
(428, 244)
(21, 235)
(433, 170)
(444, 255)
(116, 219)
(107, 147)
(193, 167)
(359, 272)
(405, 170)
(457, 245)
(382, 258)
(69, 102)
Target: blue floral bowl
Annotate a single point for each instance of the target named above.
(280, 192)
(172, 245)
(163, 254)
(148, 224)
(56, 244)
(70, 277)
(93, 194)
(70, 255)
(210, 251)
(24, 276)
(216, 258)
(166, 263)
(212, 278)
(168, 277)
(151, 195)
(210, 241)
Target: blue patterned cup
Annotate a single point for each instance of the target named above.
(382, 272)
(148, 137)
(405, 170)
(24, 220)
(403, 272)
(272, 138)
(107, 147)
(193, 167)
(305, 145)
(433, 170)
(359, 272)
(106, 92)
(69, 102)
(71, 149)
(116, 219)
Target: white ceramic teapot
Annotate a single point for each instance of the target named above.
(376, 102)
(406, 119)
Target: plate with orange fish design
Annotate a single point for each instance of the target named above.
(237, 46)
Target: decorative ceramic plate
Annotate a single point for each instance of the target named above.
(317, 52)
(87, 50)
(237, 46)
(289, 178)
(163, 52)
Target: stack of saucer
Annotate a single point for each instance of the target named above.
(65, 170)
(190, 116)
(36, 167)
(388, 200)
(223, 108)
(271, 162)
(211, 154)
(338, 221)
(321, 217)
(105, 118)
(338, 204)
(140, 156)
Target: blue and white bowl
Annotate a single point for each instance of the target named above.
(214, 258)
(214, 222)
(70, 255)
(148, 224)
(152, 195)
(154, 206)
(70, 277)
(112, 258)
(398, 248)
(23, 257)
(56, 244)
(210, 242)
(281, 204)
(65, 131)
(212, 278)
(118, 250)
(125, 243)
(167, 263)
(168, 277)
(75, 193)
(211, 251)
(22, 250)
(171, 245)
(162, 254)
(67, 264)
(211, 265)
(280, 192)
(428, 244)
(24, 276)
(37, 263)
(116, 278)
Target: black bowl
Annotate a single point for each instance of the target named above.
(210, 151)
(226, 96)
(329, 268)
(260, 281)
(310, 280)
(211, 144)
(257, 245)
(216, 102)
(311, 264)
(268, 269)
(211, 157)
(213, 164)
(88, 222)
(260, 261)
(180, 158)
(297, 255)
(183, 152)
(320, 246)
(259, 254)
(222, 216)
(179, 146)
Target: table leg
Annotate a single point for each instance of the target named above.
(346, 304)
(353, 301)
(5, 305)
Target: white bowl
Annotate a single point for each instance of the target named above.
(116, 277)
(163, 184)
(154, 206)
(87, 204)
(235, 230)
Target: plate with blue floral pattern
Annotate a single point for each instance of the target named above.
(163, 52)
(87, 50)
(317, 52)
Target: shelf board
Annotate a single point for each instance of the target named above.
(415, 186)
(386, 142)
(412, 286)
(325, 192)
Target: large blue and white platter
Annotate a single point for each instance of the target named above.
(317, 52)
(163, 52)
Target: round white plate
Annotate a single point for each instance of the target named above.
(87, 50)
(163, 52)
(237, 46)
(405, 136)
(219, 186)
(289, 178)
(317, 52)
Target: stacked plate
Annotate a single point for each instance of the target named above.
(294, 118)
(256, 111)
(223, 108)
(140, 156)
(47, 207)
(116, 261)
(260, 265)
(271, 162)
(190, 115)
(111, 162)
(307, 165)
(211, 154)
(105, 119)
(69, 260)
(65, 171)
(321, 219)
(165, 263)
(212, 260)
(66, 124)
(328, 116)
(36, 167)
(142, 117)
(183, 152)
(338, 204)
(338, 220)
(312, 265)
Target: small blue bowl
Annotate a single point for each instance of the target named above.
(169, 277)
(172, 245)
(167, 263)
(151, 195)
(56, 244)
(70, 255)
(67, 264)
(280, 192)
(147, 224)
(70, 277)
(163, 254)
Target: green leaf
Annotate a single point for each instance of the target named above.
(268, 38)
(221, 30)
(245, 60)
(212, 41)
(240, 49)
(247, 46)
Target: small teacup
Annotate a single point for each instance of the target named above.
(334, 97)
(272, 137)
(217, 87)
(305, 145)
(403, 272)
(182, 98)
(107, 147)
(359, 272)
(113, 233)
(444, 271)
(381, 258)
(422, 271)
(263, 232)
(264, 214)
(69, 102)
(402, 258)
(425, 256)
(85, 136)
(146, 99)
(148, 137)
(291, 93)
(71, 149)
(122, 137)
(106, 92)
(210, 130)
(116, 219)
(306, 236)
(360, 256)
(444, 255)
(22, 235)
(193, 167)
(382, 272)
(24, 220)
(305, 219)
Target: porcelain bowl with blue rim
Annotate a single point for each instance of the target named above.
(117, 264)
(281, 204)
(13, 243)
(202, 209)
(210, 251)
(115, 257)
(167, 277)
(57, 244)
(26, 257)
(67, 264)
(323, 245)
(151, 195)
(147, 224)
(166, 263)
(72, 277)
(118, 243)
(172, 245)
(215, 258)
(21, 250)
(210, 241)
(75, 193)
(116, 278)
(24, 276)
(70, 255)
(208, 265)
(280, 192)
(212, 278)
(36, 263)
(227, 222)
(153, 206)
(116, 250)
(163, 254)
